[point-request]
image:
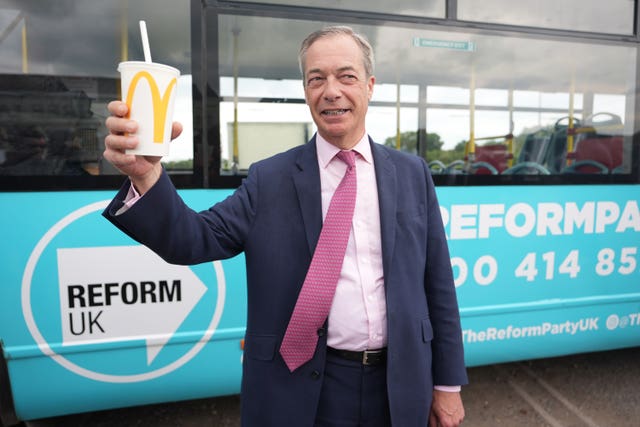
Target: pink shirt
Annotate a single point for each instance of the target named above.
(358, 316)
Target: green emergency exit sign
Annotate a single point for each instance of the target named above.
(466, 46)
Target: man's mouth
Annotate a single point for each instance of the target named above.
(338, 112)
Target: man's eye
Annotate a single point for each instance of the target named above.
(314, 80)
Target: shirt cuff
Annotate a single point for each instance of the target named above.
(132, 197)
(448, 388)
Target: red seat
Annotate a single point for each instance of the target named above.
(497, 155)
(606, 150)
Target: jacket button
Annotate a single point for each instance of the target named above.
(315, 375)
(321, 332)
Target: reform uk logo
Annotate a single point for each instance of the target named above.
(114, 294)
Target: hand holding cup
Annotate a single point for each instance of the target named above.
(142, 170)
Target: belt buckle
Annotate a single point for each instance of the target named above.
(365, 356)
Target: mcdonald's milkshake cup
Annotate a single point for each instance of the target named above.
(149, 89)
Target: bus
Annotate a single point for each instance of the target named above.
(527, 114)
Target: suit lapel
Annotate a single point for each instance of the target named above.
(387, 194)
(306, 178)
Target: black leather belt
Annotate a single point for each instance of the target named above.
(367, 357)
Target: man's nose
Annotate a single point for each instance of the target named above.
(332, 90)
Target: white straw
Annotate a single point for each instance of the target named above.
(145, 41)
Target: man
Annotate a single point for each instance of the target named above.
(394, 296)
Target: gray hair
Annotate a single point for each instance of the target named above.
(361, 41)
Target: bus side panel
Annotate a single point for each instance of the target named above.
(85, 311)
(92, 320)
(544, 271)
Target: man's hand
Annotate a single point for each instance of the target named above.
(144, 171)
(446, 409)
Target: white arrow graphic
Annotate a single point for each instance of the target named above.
(123, 293)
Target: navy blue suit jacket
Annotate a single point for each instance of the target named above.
(275, 217)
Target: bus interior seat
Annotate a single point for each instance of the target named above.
(526, 168)
(437, 167)
(597, 154)
(555, 155)
(490, 159)
(532, 155)
(535, 146)
(600, 148)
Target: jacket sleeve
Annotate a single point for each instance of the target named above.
(162, 221)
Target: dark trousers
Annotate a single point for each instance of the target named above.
(353, 395)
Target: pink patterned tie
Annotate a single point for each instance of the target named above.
(316, 295)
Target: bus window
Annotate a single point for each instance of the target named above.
(483, 108)
(59, 72)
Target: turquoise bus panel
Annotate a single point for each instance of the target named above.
(85, 311)
(544, 271)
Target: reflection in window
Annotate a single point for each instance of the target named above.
(384, 92)
(492, 97)
(510, 105)
(447, 95)
(545, 100)
(423, 8)
(611, 16)
(58, 73)
(262, 129)
(383, 127)
(262, 88)
(48, 125)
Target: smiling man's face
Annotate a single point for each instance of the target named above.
(337, 89)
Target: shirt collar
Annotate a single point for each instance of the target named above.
(327, 151)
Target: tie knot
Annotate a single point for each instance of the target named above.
(349, 157)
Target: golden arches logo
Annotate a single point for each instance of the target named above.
(160, 103)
